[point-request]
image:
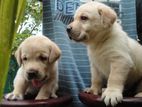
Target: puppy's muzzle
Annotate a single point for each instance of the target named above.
(69, 28)
(32, 74)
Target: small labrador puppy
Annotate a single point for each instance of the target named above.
(113, 55)
(37, 57)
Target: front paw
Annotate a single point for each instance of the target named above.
(138, 94)
(42, 97)
(112, 96)
(53, 95)
(92, 90)
(13, 96)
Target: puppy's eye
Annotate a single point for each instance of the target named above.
(43, 58)
(84, 18)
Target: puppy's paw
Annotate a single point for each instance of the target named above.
(53, 95)
(41, 97)
(12, 96)
(91, 90)
(112, 96)
(138, 94)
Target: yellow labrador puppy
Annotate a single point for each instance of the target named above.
(114, 56)
(37, 57)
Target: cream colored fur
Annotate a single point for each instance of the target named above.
(38, 54)
(113, 55)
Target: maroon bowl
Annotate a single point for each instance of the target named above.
(61, 101)
(95, 101)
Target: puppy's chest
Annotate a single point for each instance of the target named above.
(100, 59)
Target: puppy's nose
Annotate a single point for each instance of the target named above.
(32, 74)
(69, 28)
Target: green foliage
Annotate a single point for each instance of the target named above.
(31, 23)
(11, 74)
(17, 41)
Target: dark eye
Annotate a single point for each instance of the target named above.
(24, 58)
(84, 18)
(43, 58)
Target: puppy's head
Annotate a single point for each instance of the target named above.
(37, 55)
(89, 20)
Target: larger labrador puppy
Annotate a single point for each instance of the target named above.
(37, 57)
(114, 57)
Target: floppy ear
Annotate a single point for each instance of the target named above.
(55, 53)
(18, 56)
(108, 15)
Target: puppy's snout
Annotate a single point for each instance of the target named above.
(32, 74)
(69, 28)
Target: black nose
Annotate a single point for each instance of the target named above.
(32, 74)
(69, 28)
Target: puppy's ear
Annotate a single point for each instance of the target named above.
(108, 16)
(18, 56)
(55, 53)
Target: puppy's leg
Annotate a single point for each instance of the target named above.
(117, 77)
(96, 82)
(19, 90)
(48, 90)
(20, 86)
(53, 94)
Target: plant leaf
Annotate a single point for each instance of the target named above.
(10, 14)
